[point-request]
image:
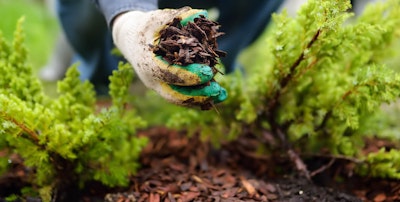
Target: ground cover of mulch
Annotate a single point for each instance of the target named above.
(180, 168)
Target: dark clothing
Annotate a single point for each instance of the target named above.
(89, 34)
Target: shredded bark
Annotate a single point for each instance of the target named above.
(172, 171)
(176, 167)
(194, 43)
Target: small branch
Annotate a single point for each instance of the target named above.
(293, 156)
(32, 134)
(333, 159)
(323, 168)
(336, 157)
(345, 95)
(309, 66)
(270, 112)
(329, 114)
(285, 81)
(299, 163)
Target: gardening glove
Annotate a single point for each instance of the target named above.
(135, 33)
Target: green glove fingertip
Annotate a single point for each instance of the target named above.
(222, 96)
(191, 18)
(203, 72)
(216, 92)
(213, 90)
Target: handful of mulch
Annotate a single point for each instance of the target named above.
(194, 43)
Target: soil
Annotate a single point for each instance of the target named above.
(176, 167)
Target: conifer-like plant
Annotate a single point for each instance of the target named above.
(65, 141)
(321, 78)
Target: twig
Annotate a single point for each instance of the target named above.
(285, 81)
(215, 108)
(333, 158)
(32, 134)
(293, 156)
(336, 157)
(323, 168)
(270, 112)
(300, 165)
(54, 195)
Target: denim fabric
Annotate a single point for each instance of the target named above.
(87, 31)
(111, 8)
(242, 21)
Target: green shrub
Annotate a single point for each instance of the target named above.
(67, 141)
(321, 82)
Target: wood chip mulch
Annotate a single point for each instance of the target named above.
(178, 168)
(194, 43)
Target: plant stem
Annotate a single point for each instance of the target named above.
(32, 134)
(270, 112)
(322, 168)
(285, 80)
(294, 156)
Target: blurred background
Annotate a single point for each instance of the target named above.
(40, 27)
(44, 37)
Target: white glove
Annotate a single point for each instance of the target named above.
(135, 32)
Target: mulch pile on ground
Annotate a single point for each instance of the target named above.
(178, 168)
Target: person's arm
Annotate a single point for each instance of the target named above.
(135, 26)
(113, 8)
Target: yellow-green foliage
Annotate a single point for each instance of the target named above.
(67, 140)
(324, 78)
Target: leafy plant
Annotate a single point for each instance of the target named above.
(324, 79)
(67, 141)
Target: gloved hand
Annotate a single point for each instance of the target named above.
(135, 32)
